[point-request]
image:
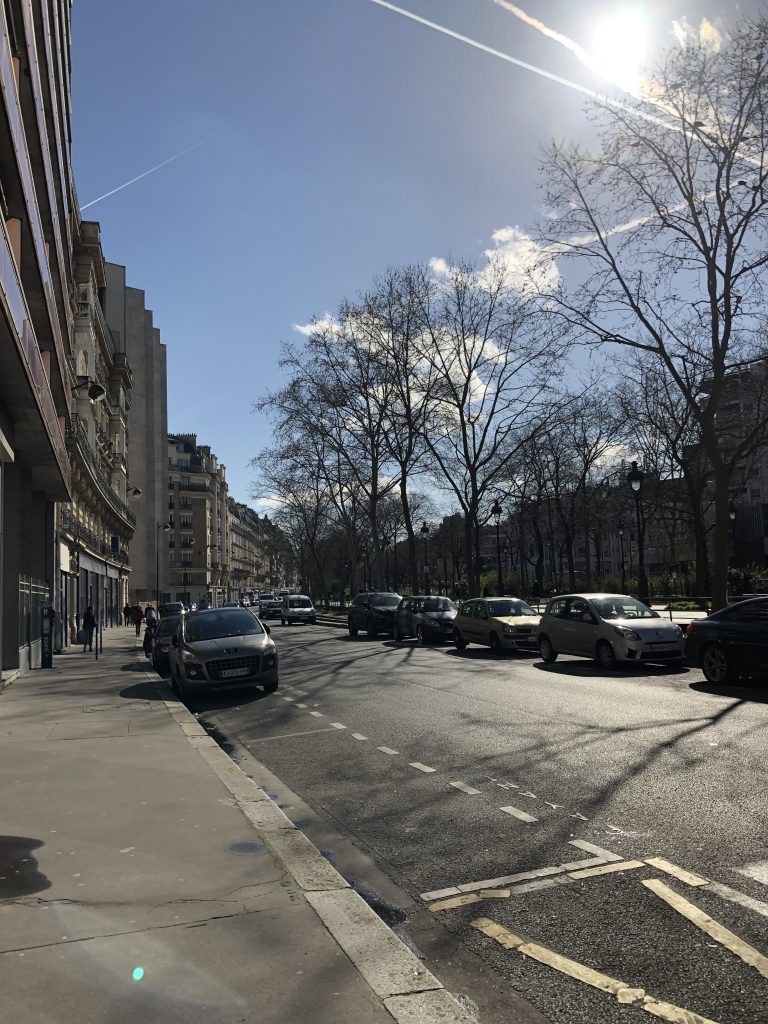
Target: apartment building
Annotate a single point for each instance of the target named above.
(254, 554)
(38, 229)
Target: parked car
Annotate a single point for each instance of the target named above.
(161, 643)
(297, 608)
(222, 647)
(429, 619)
(269, 606)
(501, 623)
(373, 611)
(173, 608)
(231, 604)
(730, 643)
(608, 628)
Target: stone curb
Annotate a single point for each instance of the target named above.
(410, 993)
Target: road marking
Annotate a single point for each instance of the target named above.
(623, 993)
(284, 736)
(516, 813)
(421, 767)
(470, 897)
(317, 714)
(289, 698)
(598, 851)
(672, 869)
(301, 705)
(387, 750)
(607, 869)
(469, 790)
(301, 693)
(336, 725)
(739, 897)
(359, 736)
(504, 880)
(757, 869)
(709, 926)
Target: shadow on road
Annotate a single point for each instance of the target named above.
(756, 693)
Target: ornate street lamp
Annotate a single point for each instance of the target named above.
(635, 479)
(620, 532)
(496, 513)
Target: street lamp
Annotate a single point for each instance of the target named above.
(620, 532)
(166, 528)
(496, 513)
(425, 533)
(635, 479)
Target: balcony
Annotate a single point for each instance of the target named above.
(89, 540)
(78, 440)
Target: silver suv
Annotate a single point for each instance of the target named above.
(222, 647)
(608, 628)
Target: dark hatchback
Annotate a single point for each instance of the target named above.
(161, 645)
(373, 611)
(429, 619)
(730, 643)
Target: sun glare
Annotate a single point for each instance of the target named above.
(619, 48)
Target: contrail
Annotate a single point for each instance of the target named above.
(569, 44)
(151, 170)
(527, 67)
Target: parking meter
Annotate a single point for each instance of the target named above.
(46, 613)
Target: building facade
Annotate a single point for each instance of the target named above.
(254, 564)
(196, 531)
(138, 340)
(39, 226)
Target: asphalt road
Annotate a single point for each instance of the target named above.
(634, 764)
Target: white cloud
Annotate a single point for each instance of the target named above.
(439, 266)
(528, 266)
(709, 34)
(326, 322)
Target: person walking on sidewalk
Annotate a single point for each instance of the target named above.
(136, 616)
(89, 625)
(127, 615)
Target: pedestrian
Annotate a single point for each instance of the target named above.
(136, 617)
(127, 614)
(89, 625)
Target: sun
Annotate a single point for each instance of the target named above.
(619, 48)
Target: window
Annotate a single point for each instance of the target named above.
(186, 520)
(185, 481)
(578, 609)
(557, 608)
(481, 611)
(755, 611)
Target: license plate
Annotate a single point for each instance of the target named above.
(660, 647)
(228, 673)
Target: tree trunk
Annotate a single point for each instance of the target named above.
(720, 539)
(412, 564)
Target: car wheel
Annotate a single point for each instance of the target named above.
(459, 640)
(282, 621)
(371, 631)
(351, 627)
(494, 643)
(604, 655)
(397, 636)
(270, 687)
(547, 651)
(716, 665)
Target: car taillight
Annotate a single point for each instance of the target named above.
(689, 629)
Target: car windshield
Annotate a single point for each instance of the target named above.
(267, 597)
(622, 608)
(299, 602)
(213, 625)
(168, 625)
(437, 604)
(503, 609)
(385, 600)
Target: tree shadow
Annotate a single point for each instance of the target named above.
(739, 691)
(140, 691)
(18, 868)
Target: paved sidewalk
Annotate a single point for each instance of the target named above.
(144, 877)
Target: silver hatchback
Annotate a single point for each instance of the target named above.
(608, 628)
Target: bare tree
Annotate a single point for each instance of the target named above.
(669, 216)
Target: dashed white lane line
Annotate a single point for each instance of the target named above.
(358, 736)
(336, 725)
(301, 705)
(421, 767)
(387, 750)
(598, 851)
(464, 788)
(517, 813)
(672, 869)
(758, 870)
(291, 699)
(607, 869)
(317, 714)
(743, 900)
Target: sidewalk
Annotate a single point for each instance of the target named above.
(144, 877)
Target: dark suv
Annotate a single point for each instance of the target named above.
(730, 643)
(374, 612)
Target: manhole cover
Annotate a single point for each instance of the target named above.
(245, 849)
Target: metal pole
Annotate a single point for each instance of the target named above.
(498, 560)
(157, 566)
(426, 568)
(623, 564)
(642, 578)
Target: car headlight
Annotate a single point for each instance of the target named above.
(188, 656)
(678, 632)
(509, 630)
(626, 632)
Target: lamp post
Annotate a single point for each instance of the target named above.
(620, 532)
(732, 518)
(425, 533)
(496, 513)
(635, 479)
(166, 528)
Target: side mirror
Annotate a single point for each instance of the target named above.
(174, 641)
(267, 630)
(587, 617)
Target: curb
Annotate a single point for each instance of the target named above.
(409, 992)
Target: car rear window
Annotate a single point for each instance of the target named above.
(385, 600)
(299, 602)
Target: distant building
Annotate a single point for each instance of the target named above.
(251, 550)
(138, 340)
(198, 535)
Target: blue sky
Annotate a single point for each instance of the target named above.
(347, 138)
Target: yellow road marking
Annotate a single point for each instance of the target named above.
(470, 897)
(672, 869)
(607, 869)
(713, 928)
(580, 972)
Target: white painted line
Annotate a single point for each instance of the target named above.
(359, 736)
(517, 813)
(542, 883)
(337, 725)
(741, 898)
(607, 869)
(317, 714)
(672, 869)
(421, 767)
(758, 870)
(439, 894)
(290, 699)
(301, 693)
(598, 851)
(387, 750)
(301, 705)
(283, 736)
(469, 790)
(520, 876)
